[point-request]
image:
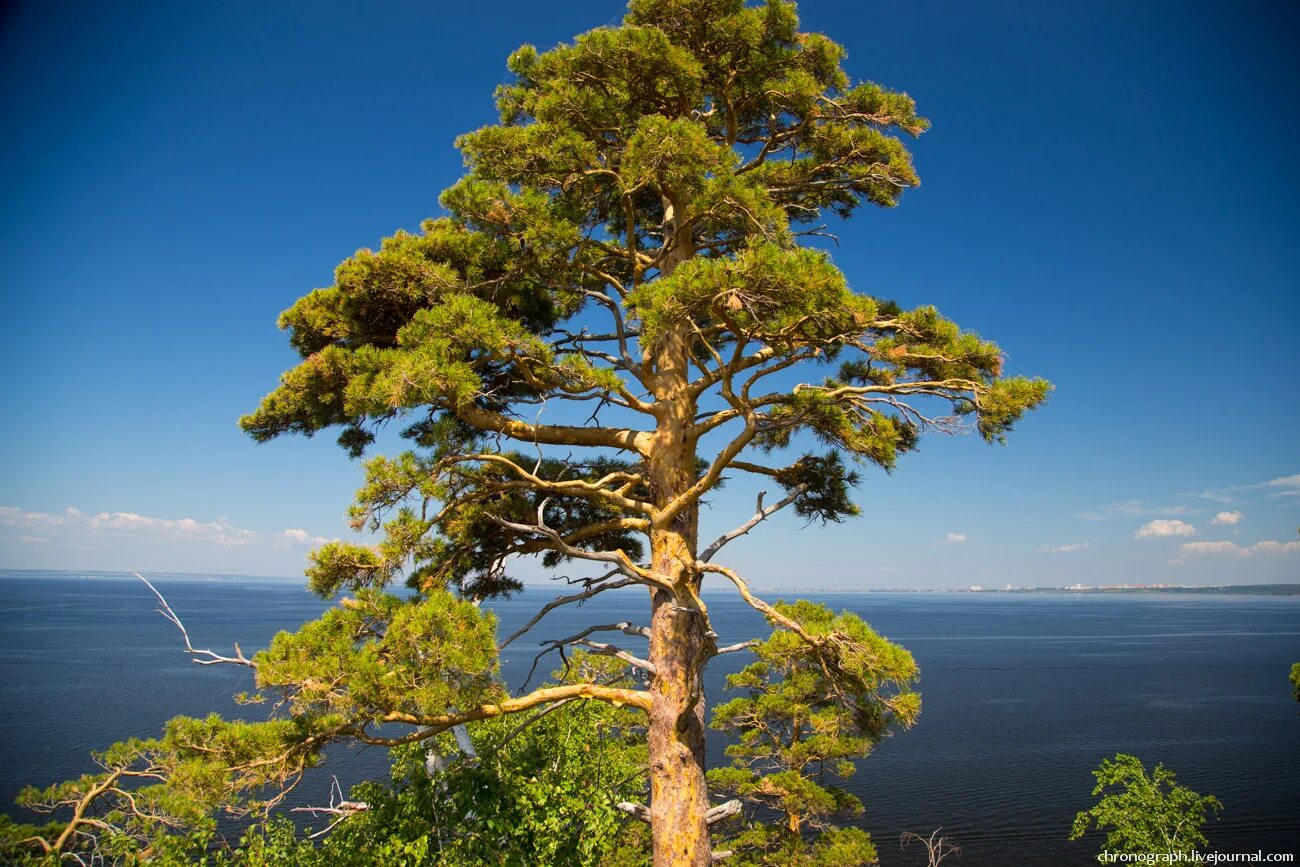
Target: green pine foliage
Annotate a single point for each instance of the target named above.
(804, 721)
(544, 794)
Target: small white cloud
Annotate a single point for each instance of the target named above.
(1129, 509)
(12, 516)
(1228, 518)
(1159, 529)
(1271, 548)
(1209, 547)
(32, 540)
(1063, 549)
(956, 538)
(1216, 496)
(302, 537)
(1285, 482)
(1233, 549)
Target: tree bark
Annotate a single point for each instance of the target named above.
(679, 801)
(679, 643)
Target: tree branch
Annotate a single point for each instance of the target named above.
(591, 591)
(596, 490)
(202, 657)
(723, 811)
(437, 723)
(735, 648)
(619, 558)
(760, 514)
(562, 435)
(757, 604)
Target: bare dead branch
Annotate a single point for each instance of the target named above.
(618, 558)
(636, 811)
(760, 514)
(202, 657)
(591, 591)
(580, 640)
(723, 811)
(736, 648)
(937, 847)
(339, 806)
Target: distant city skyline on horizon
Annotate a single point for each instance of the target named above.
(718, 588)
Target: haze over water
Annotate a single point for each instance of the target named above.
(1023, 695)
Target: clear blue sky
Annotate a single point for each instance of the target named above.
(1109, 190)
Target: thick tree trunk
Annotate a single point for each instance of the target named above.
(678, 792)
(679, 643)
(679, 649)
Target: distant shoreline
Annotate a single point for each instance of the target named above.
(1209, 590)
(976, 590)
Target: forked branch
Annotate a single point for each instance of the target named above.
(936, 847)
(202, 657)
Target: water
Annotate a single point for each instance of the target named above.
(1023, 696)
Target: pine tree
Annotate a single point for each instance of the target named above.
(619, 307)
(628, 238)
(803, 722)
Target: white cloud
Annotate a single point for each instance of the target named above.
(220, 532)
(1158, 529)
(1233, 549)
(1283, 486)
(1063, 549)
(1228, 518)
(956, 538)
(1129, 509)
(303, 537)
(1209, 547)
(32, 540)
(12, 516)
(1216, 496)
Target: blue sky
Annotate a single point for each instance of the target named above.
(1108, 191)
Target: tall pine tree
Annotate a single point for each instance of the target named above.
(628, 238)
(617, 310)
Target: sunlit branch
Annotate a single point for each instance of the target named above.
(757, 604)
(544, 434)
(437, 723)
(597, 490)
(736, 648)
(559, 544)
(339, 807)
(580, 639)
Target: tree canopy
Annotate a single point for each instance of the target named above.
(1142, 814)
(627, 299)
(803, 721)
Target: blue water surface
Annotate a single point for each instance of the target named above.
(1023, 696)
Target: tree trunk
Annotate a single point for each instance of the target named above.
(679, 649)
(678, 793)
(679, 643)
